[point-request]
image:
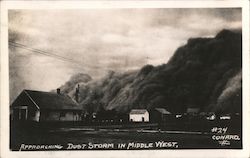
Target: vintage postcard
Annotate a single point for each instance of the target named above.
(128, 78)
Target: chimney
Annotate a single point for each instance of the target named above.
(77, 93)
(58, 91)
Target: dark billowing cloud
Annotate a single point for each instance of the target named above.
(102, 40)
(205, 73)
(77, 79)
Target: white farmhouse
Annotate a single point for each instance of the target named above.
(139, 115)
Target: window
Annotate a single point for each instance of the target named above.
(62, 114)
(32, 113)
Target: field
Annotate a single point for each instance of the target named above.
(135, 137)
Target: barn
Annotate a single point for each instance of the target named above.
(45, 106)
(160, 115)
(139, 115)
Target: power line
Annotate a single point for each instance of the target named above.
(52, 55)
(41, 52)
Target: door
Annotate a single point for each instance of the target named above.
(23, 114)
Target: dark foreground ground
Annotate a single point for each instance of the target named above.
(108, 137)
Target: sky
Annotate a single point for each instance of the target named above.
(95, 41)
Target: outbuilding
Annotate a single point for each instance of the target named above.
(139, 115)
(40, 106)
(193, 111)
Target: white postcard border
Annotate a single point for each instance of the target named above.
(5, 5)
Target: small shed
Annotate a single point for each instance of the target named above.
(45, 106)
(139, 115)
(160, 115)
(193, 111)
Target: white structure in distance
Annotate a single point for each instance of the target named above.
(139, 115)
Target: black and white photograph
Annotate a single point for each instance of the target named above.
(125, 79)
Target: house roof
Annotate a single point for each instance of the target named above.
(162, 110)
(138, 111)
(46, 100)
